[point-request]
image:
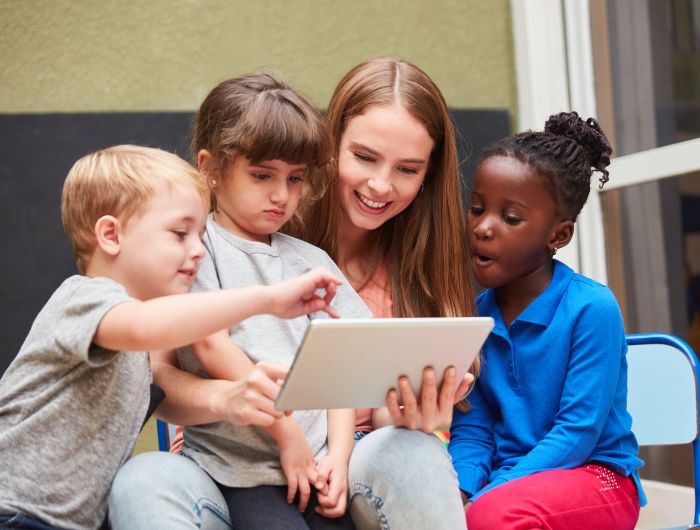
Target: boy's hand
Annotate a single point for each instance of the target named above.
(298, 464)
(332, 486)
(297, 296)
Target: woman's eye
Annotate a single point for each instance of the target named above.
(295, 178)
(362, 157)
(409, 170)
(261, 176)
(476, 210)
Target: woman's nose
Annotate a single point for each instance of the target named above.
(380, 183)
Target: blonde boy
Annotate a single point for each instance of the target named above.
(75, 397)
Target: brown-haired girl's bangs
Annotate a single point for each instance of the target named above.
(278, 127)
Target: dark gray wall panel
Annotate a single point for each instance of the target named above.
(38, 150)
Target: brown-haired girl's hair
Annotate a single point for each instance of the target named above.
(424, 247)
(261, 117)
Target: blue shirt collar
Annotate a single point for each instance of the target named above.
(541, 310)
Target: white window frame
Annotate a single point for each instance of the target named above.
(554, 69)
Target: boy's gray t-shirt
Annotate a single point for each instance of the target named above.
(246, 456)
(70, 411)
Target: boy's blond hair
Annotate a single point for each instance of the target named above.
(118, 181)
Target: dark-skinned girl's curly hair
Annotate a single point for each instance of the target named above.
(565, 155)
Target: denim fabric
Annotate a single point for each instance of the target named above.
(18, 520)
(165, 490)
(402, 479)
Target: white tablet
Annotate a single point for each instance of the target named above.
(352, 363)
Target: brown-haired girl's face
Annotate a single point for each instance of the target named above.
(254, 200)
(382, 161)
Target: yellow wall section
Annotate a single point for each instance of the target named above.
(165, 55)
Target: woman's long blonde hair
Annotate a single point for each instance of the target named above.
(424, 248)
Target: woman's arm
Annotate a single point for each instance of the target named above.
(192, 400)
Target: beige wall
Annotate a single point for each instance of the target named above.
(158, 55)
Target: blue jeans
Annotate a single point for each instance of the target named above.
(402, 479)
(165, 490)
(399, 479)
(23, 522)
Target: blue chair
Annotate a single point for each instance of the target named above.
(663, 396)
(166, 432)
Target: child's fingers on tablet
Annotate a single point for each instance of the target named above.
(331, 311)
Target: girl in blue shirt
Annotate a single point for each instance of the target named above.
(548, 441)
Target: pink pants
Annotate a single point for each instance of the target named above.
(588, 498)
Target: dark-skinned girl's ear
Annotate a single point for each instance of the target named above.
(563, 233)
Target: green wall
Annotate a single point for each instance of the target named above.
(160, 55)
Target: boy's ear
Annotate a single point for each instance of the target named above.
(563, 232)
(209, 168)
(107, 232)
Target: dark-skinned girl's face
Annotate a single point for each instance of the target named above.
(512, 223)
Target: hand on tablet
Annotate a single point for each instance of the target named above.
(434, 406)
(298, 296)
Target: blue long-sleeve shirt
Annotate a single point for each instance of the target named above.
(552, 393)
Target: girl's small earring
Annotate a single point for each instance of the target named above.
(213, 183)
(554, 251)
(422, 186)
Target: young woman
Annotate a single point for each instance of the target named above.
(391, 217)
(394, 224)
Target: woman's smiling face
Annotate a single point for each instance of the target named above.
(382, 160)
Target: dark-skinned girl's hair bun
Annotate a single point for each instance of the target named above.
(588, 134)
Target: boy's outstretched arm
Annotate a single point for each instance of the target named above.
(192, 400)
(173, 321)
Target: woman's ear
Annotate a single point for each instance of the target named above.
(107, 232)
(209, 168)
(563, 232)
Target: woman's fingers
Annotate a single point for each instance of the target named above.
(428, 400)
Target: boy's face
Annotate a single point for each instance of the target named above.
(511, 223)
(160, 249)
(255, 200)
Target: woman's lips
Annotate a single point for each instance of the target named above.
(368, 205)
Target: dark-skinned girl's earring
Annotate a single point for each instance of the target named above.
(554, 251)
